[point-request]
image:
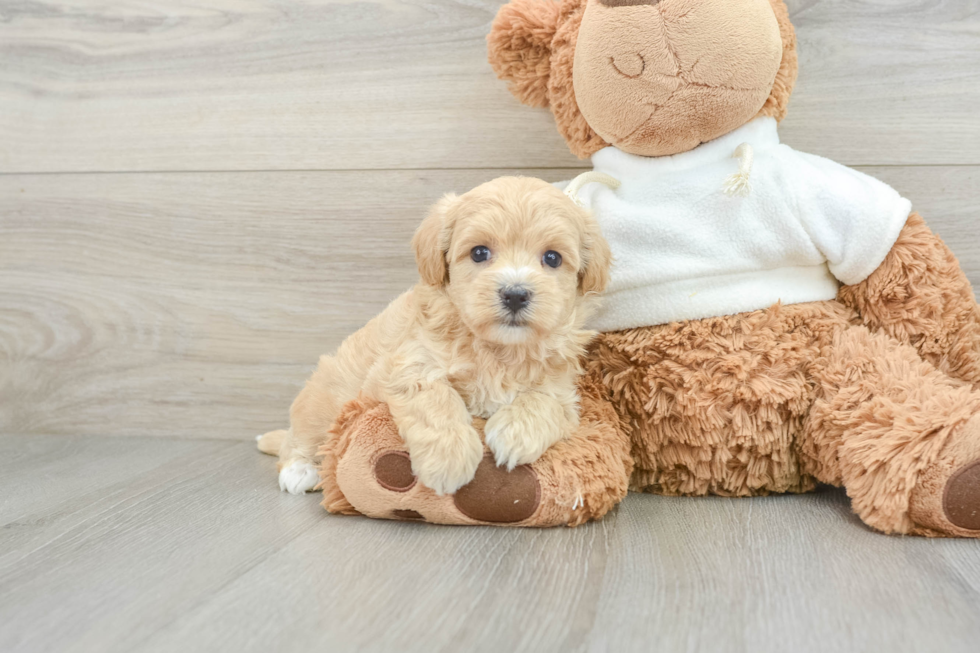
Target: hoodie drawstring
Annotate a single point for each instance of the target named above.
(738, 183)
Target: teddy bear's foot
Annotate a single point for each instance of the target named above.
(494, 495)
(961, 497)
(367, 470)
(946, 500)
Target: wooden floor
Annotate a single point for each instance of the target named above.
(199, 198)
(159, 544)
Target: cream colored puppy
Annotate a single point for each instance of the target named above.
(510, 271)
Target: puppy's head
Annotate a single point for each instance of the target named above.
(516, 257)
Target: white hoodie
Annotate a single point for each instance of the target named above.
(685, 249)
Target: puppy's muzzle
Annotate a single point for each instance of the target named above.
(515, 298)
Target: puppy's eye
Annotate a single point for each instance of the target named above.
(479, 254)
(551, 258)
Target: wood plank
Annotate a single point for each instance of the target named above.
(874, 74)
(257, 85)
(162, 298)
(422, 588)
(202, 553)
(688, 574)
(34, 468)
(196, 304)
(787, 573)
(98, 568)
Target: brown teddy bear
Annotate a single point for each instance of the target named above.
(774, 320)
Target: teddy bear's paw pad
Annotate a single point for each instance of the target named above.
(961, 498)
(298, 477)
(498, 496)
(393, 471)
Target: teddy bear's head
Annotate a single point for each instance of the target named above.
(652, 77)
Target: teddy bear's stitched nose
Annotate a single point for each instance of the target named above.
(628, 3)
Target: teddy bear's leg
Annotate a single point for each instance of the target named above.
(715, 406)
(901, 436)
(366, 469)
(920, 296)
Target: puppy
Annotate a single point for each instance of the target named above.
(510, 271)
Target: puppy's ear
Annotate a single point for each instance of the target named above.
(431, 242)
(596, 259)
(519, 47)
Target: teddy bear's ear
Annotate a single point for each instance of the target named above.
(519, 47)
(776, 105)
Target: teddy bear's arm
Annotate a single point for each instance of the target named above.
(920, 295)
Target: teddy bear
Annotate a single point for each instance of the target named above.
(774, 320)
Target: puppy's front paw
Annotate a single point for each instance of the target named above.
(517, 437)
(298, 477)
(445, 460)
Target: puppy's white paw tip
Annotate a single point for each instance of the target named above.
(298, 478)
(258, 437)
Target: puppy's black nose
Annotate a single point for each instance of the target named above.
(515, 298)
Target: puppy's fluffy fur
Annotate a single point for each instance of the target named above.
(449, 348)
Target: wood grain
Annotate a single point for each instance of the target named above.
(302, 141)
(200, 552)
(98, 568)
(333, 85)
(196, 304)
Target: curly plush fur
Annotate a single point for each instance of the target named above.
(521, 48)
(920, 296)
(878, 391)
(777, 400)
